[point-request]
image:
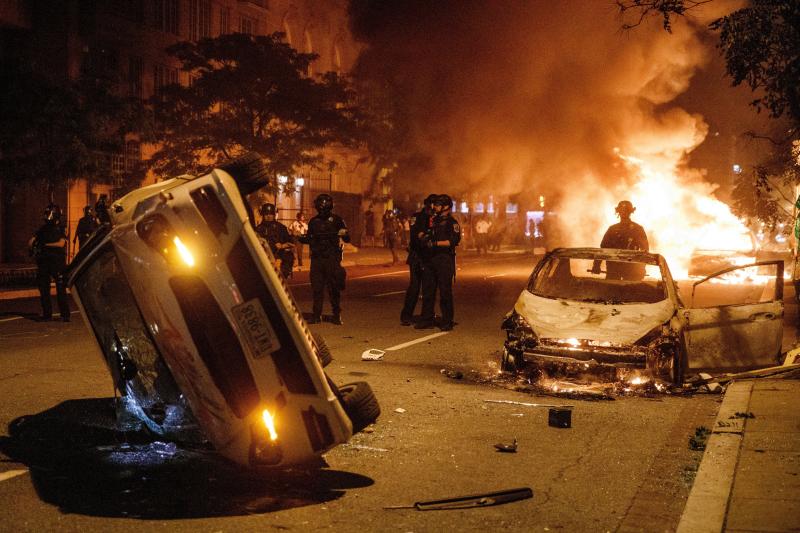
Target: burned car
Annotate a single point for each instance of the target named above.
(574, 315)
(199, 331)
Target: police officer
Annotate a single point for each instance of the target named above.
(86, 226)
(277, 237)
(420, 225)
(439, 264)
(48, 247)
(325, 231)
(624, 235)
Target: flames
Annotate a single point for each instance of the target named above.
(679, 215)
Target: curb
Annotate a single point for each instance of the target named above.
(18, 294)
(707, 506)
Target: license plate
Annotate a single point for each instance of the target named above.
(257, 330)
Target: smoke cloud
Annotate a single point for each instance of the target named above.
(537, 97)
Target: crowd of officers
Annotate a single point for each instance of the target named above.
(434, 236)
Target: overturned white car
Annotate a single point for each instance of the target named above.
(199, 330)
(575, 315)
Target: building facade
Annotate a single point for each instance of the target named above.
(129, 37)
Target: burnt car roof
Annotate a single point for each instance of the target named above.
(608, 253)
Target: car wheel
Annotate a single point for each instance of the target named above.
(249, 172)
(360, 404)
(323, 352)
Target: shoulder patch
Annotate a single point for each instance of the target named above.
(456, 227)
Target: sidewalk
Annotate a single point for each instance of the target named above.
(749, 478)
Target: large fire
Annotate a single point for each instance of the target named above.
(680, 216)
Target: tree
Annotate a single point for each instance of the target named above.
(760, 43)
(761, 47)
(53, 132)
(249, 93)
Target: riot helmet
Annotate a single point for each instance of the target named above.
(625, 208)
(52, 214)
(429, 200)
(268, 209)
(444, 201)
(87, 211)
(323, 203)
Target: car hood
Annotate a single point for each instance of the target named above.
(567, 319)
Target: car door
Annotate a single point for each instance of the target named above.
(737, 335)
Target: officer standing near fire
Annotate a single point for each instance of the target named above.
(439, 264)
(624, 235)
(420, 224)
(49, 248)
(325, 231)
(86, 226)
(278, 238)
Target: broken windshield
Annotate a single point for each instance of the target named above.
(594, 281)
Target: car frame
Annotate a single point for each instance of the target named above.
(663, 338)
(199, 329)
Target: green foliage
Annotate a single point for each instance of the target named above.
(761, 45)
(249, 93)
(53, 132)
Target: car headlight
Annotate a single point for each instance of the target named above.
(158, 234)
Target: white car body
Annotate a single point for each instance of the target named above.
(213, 306)
(576, 317)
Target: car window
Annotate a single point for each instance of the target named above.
(748, 285)
(111, 309)
(586, 280)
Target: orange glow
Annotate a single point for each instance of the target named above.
(270, 424)
(679, 216)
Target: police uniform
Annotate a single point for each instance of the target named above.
(276, 233)
(439, 269)
(86, 226)
(326, 257)
(50, 263)
(625, 235)
(420, 224)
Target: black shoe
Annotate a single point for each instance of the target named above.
(424, 324)
(447, 327)
(43, 318)
(315, 319)
(337, 319)
(405, 321)
(65, 318)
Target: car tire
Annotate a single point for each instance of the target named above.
(360, 404)
(249, 172)
(323, 352)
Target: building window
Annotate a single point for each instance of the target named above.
(135, 77)
(133, 155)
(166, 16)
(163, 76)
(199, 19)
(224, 20)
(117, 163)
(248, 25)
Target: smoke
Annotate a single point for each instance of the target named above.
(534, 97)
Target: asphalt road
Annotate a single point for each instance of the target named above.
(623, 466)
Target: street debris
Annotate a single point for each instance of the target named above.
(452, 374)
(364, 448)
(559, 418)
(507, 448)
(738, 414)
(698, 441)
(373, 354)
(469, 502)
(526, 404)
(399, 410)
